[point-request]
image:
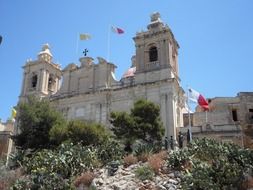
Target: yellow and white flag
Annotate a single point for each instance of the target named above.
(13, 114)
(85, 36)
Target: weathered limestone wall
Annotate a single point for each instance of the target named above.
(214, 118)
(223, 133)
(6, 130)
(98, 106)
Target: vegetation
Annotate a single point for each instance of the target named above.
(110, 151)
(144, 173)
(34, 120)
(85, 179)
(55, 168)
(129, 160)
(142, 123)
(80, 132)
(207, 164)
(63, 155)
(156, 162)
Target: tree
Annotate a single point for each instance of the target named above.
(142, 123)
(80, 132)
(87, 133)
(146, 115)
(35, 119)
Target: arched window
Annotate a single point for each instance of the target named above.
(34, 81)
(153, 55)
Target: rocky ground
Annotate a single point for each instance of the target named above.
(125, 179)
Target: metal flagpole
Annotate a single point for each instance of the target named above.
(189, 115)
(77, 45)
(206, 116)
(108, 43)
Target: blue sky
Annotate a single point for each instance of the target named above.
(215, 38)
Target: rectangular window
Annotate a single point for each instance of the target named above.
(234, 115)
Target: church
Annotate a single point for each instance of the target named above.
(89, 90)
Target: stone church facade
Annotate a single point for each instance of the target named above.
(89, 90)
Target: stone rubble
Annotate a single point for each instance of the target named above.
(125, 179)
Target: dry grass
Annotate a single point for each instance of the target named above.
(129, 160)
(85, 179)
(248, 142)
(156, 162)
(143, 157)
(162, 154)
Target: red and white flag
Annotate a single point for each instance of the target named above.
(117, 30)
(198, 98)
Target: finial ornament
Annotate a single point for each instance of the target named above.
(155, 16)
(45, 46)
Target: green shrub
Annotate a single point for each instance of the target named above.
(208, 164)
(80, 132)
(110, 151)
(200, 178)
(23, 183)
(143, 148)
(56, 168)
(143, 151)
(67, 160)
(35, 119)
(144, 173)
(179, 159)
(19, 157)
(143, 123)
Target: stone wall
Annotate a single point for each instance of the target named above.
(6, 130)
(223, 133)
(97, 106)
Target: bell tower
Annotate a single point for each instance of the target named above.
(156, 51)
(41, 77)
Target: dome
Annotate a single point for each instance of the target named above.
(130, 72)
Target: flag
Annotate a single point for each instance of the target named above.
(198, 98)
(13, 114)
(117, 30)
(85, 36)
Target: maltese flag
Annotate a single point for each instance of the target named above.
(117, 30)
(198, 98)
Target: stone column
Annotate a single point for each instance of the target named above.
(41, 80)
(24, 84)
(161, 56)
(138, 58)
(142, 57)
(170, 54)
(164, 113)
(46, 77)
(167, 52)
(171, 114)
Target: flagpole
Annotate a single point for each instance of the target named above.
(77, 45)
(189, 115)
(206, 116)
(108, 43)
